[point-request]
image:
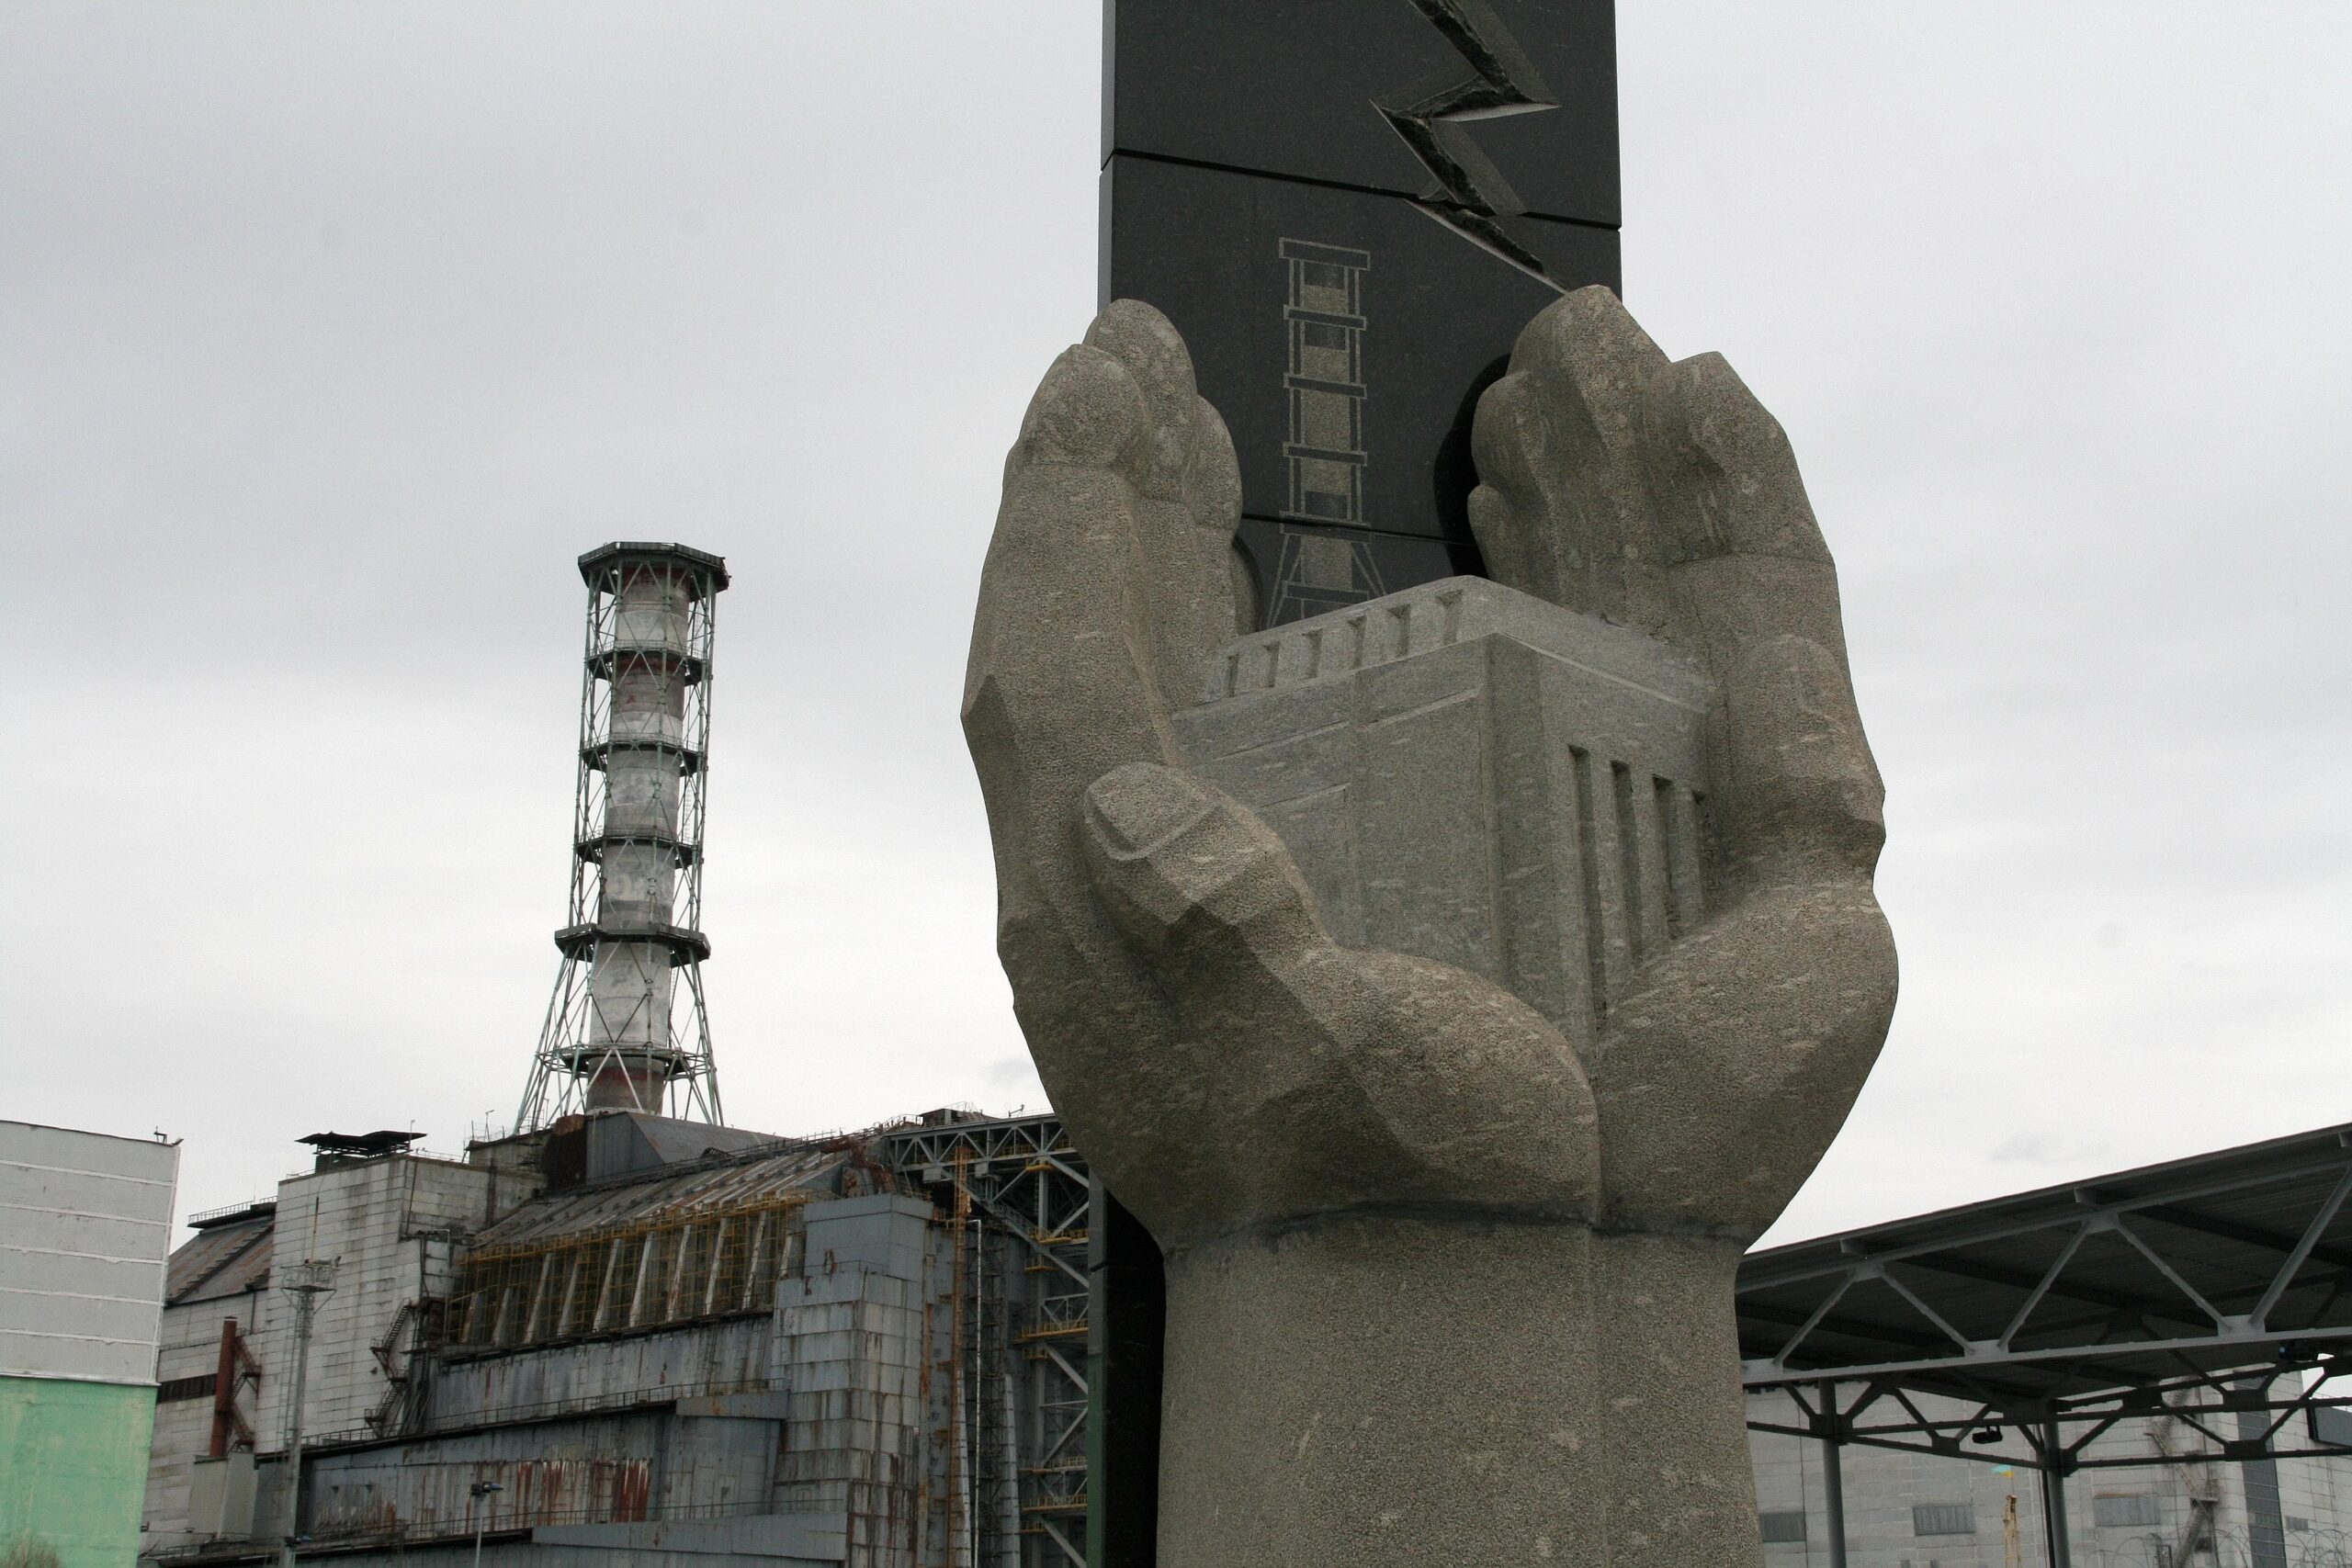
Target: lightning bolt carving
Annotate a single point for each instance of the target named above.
(1470, 195)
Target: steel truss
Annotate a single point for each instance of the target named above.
(1884, 1414)
(2214, 1295)
(660, 1030)
(1025, 1384)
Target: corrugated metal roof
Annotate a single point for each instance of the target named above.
(648, 1198)
(222, 1260)
(2239, 1258)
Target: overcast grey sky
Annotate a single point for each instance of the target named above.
(332, 332)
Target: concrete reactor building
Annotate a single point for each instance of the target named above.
(628, 1332)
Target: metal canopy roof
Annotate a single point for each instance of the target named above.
(2186, 1286)
(363, 1145)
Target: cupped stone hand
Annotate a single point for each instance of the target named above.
(1445, 1284)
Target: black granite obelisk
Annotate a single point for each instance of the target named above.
(1349, 208)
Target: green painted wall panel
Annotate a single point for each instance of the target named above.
(72, 1471)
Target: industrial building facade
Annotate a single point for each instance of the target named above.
(631, 1339)
(619, 1335)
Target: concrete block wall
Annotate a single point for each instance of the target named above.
(182, 1432)
(775, 1541)
(853, 1336)
(720, 1464)
(84, 1229)
(550, 1471)
(834, 1420)
(649, 1464)
(835, 1431)
(2315, 1498)
(191, 1348)
(720, 1544)
(391, 1224)
(81, 1253)
(849, 1353)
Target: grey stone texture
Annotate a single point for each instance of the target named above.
(1467, 773)
(1453, 983)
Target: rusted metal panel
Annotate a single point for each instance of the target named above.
(707, 1358)
(436, 1496)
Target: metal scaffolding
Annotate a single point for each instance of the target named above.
(1023, 1193)
(627, 1027)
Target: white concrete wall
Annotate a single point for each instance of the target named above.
(840, 1366)
(393, 1225)
(2318, 1494)
(85, 1224)
(191, 1348)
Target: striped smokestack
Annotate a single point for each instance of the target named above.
(626, 1028)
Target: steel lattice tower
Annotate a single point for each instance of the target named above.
(622, 1033)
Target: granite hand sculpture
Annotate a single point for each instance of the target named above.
(1449, 1266)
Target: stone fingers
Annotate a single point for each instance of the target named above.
(1187, 502)
(1055, 658)
(1101, 578)
(1189, 875)
(1754, 587)
(1734, 1058)
(1056, 695)
(1663, 496)
(1561, 510)
(1123, 403)
(1730, 1067)
(1063, 686)
(1087, 413)
(1723, 475)
(1421, 1082)
(1211, 903)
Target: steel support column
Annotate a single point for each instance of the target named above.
(1833, 1475)
(2054, 1466)
(1126, 1316)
